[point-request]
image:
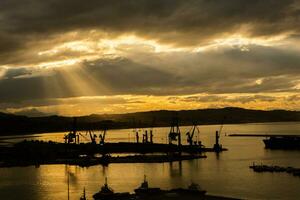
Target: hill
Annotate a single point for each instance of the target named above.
(16, 124)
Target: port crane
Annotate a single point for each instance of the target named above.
(190, 135)
(174, 134)
(102, 137)
(72, 137)
(92, 137)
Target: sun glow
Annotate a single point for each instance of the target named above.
(242, 42)
(259, 81)
(75, 51)
(94, 44)
(109, 45)
(132, 40)
(58, 63)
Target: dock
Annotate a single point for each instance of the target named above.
(85, 154)
(99, 151)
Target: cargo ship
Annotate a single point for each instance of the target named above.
(276, 141)
(282, 142)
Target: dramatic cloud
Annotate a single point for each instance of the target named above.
(190, 22)
(57, 50)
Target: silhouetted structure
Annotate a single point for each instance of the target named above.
(102, 137)
(282, 142)
(107, 193)
(217, 146)
(72, 136)
(174, 134)
(137, 137)
(190, 136)
(144, 192)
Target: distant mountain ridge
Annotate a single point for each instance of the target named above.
(17, 124)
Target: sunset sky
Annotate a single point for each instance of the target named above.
(72, 58)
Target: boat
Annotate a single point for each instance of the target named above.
(144, 190)
(193, 189)
(107, 193)
(282, 142)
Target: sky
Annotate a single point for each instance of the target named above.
(73, 57)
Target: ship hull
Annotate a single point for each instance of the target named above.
(282, 143)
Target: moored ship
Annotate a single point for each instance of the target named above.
(144, 192)
(193, 189)
(282, 142)
(107, 193)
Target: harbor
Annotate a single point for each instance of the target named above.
(149, 100)
(98, 151)
(225, 174)
(145, 191)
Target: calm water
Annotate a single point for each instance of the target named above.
(227, 174)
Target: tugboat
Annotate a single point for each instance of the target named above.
(107, 193)
(193, 189)
(145, 191)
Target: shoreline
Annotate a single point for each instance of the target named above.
(7, 136)
(88, 162)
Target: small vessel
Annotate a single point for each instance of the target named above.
(193, 189)
(282, 142)
(107, 193)
(145, 190)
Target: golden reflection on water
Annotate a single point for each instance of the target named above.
(227, 174)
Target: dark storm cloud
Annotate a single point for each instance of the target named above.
(126, 76)
(16, 73)
(20, 89)
(213, 72)
(189, 22)
(226, 71)
(16, 86)
(157, 16)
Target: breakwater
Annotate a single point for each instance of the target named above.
(274, 168)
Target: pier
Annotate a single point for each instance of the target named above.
(275, 169)
(73, 151)
(36, 152)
